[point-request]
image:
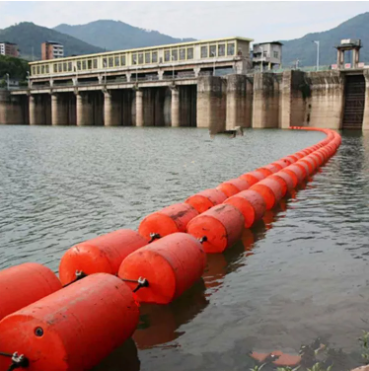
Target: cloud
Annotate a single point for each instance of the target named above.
(259, 20)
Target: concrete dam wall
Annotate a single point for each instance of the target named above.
(329, 99)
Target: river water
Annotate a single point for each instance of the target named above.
(300, 278)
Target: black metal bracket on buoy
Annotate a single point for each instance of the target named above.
(18, 361)
(79, 276)
(141, 282)
(203, 239)
(154, 236)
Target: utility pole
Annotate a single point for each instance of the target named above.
(317, 54)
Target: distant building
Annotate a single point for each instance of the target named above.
(7, 48)
(51, 50)
(267, 55)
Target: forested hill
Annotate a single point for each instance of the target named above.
(116, 35)
(29, 38)
(305, 49)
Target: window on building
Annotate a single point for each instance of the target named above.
(147, 57)
(167, 55)
(42, 69)
(84, 65)
(140, 58)
(65, 67)
(38, 70)
(122, 60)
(34, 70)
(189, 53)
(116, 60)
(134, 58)
(204, 51)
(105, 63)
(89, 64)
(213, 51)
(154, 57)
(182, 54)
(47, 69)
(264, 53)
(79, 65)
(94, 63)
(111, 62)
(60, 67)
(275, 54)
(221, 50)
(230, 49)
(55, 67)
(174, 55)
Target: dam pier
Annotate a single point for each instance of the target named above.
(202, 84)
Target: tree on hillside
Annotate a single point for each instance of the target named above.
(16, 68)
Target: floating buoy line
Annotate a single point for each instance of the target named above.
(73, 322)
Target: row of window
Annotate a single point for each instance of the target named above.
(147, 57)
(210, 51)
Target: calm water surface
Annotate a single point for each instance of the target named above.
(300, 278)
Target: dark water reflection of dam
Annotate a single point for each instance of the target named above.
(298, 278)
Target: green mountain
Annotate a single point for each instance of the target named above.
(116, 35)
(305, 49)
(29, 38)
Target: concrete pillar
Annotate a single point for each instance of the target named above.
(13, 109)
(293, 94)
(83, 110)
(128, 76)
(59, 113)
(366, 105)
(211, 103)
(175, 118)
(265, 101)
(32, 110)
(160, 74)
(139, 108)
(327, 98)
(197, 71)
(111, 117)
(236, 114)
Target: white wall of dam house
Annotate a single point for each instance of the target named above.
(220, 103)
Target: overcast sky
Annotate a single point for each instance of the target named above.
(261, 21)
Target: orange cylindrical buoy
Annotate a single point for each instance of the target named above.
(222, 226)
(251, 205)
(253, 177)
(280, 164)
(171, 265)
(72, 329)
(233, 186)
(205, 200)
(265, 171)
(24, 284)
(102, 254)
(300, 174)
(310, 163)
(270, 190)
(281, 182)
(288, 179)
(169, 220)
(304, 168)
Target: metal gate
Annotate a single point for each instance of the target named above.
(354, 102)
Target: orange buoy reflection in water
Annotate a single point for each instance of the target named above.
(159, 324)
(125, 357)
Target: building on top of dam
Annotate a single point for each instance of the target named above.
(208, 84)
(187, 56)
